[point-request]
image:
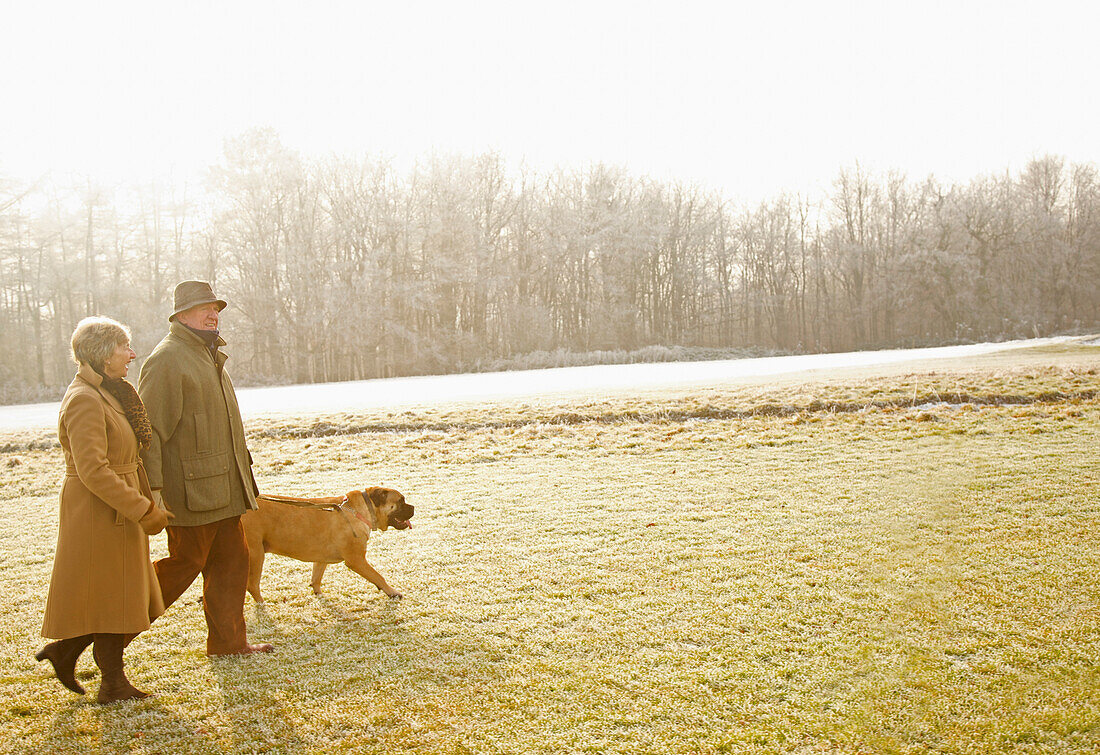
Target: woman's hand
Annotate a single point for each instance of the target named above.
(155, 520)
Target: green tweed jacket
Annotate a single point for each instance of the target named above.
(198, 455)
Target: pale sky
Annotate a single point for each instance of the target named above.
(750, 99)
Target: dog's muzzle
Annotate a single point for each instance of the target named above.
(399, 520)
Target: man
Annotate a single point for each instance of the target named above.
(199, 467)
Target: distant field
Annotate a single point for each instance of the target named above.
(901, 560)
(567, 383)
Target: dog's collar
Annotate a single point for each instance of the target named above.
(369, 522)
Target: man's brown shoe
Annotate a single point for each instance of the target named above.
(259, 647)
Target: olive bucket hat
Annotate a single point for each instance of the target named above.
(193, 293)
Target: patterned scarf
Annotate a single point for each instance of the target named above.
(132, 405)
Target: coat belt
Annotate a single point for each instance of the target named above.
(116, 468)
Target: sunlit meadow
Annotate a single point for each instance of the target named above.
(853, 563)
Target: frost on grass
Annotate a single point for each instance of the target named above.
(669, 581)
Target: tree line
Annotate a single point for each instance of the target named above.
(343, 269)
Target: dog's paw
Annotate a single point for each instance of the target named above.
(396, 596)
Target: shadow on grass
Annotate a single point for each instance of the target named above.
(82, 725)
(263, 628)
(260, 708)
(353, 669)
(380, 609)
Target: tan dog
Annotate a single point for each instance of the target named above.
(324, 531)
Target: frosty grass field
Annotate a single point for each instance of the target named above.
(903, 560)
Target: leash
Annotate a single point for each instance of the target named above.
(342, 507)
(302, 503)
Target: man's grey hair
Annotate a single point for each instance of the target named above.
(96, 338)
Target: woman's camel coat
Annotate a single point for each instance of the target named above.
(103, 581)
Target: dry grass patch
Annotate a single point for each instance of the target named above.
(641, 577)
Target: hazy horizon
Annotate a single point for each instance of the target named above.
(731, 175)
(747, 100)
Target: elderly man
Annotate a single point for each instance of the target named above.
(199, 466)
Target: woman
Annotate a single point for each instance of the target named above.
(103, 586)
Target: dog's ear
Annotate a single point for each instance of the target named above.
(377, 496)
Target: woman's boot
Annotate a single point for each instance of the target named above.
(107, 651)
(63, 654)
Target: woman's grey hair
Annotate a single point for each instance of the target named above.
(96, 338)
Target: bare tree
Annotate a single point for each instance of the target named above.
(344, 269)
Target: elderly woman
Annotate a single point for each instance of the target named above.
(103, 587)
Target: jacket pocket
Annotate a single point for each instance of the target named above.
(206, 481)
(202, 434)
